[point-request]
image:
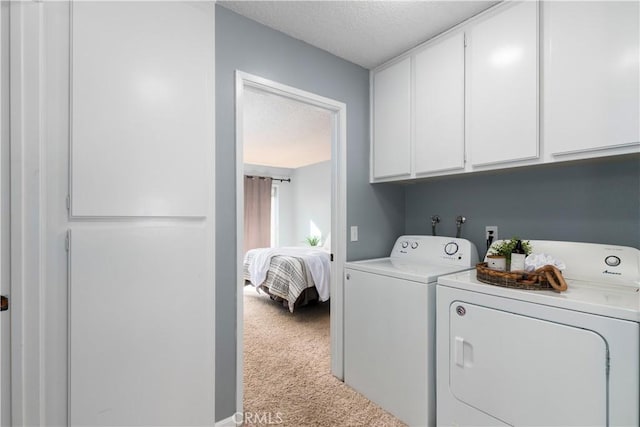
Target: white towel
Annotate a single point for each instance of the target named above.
(535, 261)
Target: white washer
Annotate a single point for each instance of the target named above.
(540, 358)
(389, 322)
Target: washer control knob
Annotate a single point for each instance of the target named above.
(414, 245)
(451, 248)
(612, 261)
(404, 245)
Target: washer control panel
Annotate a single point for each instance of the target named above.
(435, 249)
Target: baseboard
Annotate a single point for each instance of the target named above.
(227, 422)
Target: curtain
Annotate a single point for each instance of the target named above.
(257, 212)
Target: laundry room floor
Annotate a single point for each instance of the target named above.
(287, 374)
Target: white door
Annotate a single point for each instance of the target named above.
(439, 106)
(141, 293)
(526, 371)
(119, 317)
(502, 91)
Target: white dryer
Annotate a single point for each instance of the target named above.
(540, 358)
(389, 323)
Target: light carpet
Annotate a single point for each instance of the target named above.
(287, 373)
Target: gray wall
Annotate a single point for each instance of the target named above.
(378, 210)
(592, 201)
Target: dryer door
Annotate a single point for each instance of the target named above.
(526, 371)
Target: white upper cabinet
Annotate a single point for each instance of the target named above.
(471, 99)
(592, 77)
(502, 92)
(391, 149)
(439, 106)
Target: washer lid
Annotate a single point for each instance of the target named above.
(416, 272)
(621, 302)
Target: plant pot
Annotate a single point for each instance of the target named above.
(497, 262)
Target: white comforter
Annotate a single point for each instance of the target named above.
(316, 261)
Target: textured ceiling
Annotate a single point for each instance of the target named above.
(284, 133)
(367, 33)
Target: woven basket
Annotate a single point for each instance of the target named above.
(534, 281)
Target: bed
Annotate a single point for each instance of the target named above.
(294, 276)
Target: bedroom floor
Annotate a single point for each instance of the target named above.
(287, 376)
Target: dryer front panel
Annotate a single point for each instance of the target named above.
(526, 371)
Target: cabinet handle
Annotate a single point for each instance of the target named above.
(459, 352)
(348, 276)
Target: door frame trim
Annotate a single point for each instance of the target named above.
(338, 212)
(27, 211)
(5, 216)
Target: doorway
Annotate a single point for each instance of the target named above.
(337, 110)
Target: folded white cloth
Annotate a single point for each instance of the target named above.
(535, 261)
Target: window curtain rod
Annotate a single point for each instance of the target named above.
(265, 177)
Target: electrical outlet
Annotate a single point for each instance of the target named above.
(491, 230)
(354, 233)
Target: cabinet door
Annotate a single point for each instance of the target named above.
(139, 116)
(592, 69)
(503, 86)
(439, 106)
(392, 121)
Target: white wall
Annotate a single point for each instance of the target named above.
(286, 213)
(312, 200)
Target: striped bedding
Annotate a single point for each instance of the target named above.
(288, 278)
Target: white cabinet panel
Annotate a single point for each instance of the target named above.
(502, 92)
(141, 327)
(592, 75)
(392, 121)
(547, 363)
(142, 117)
(439, 106)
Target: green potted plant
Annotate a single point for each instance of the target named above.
(312, 240)
(499, 254)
